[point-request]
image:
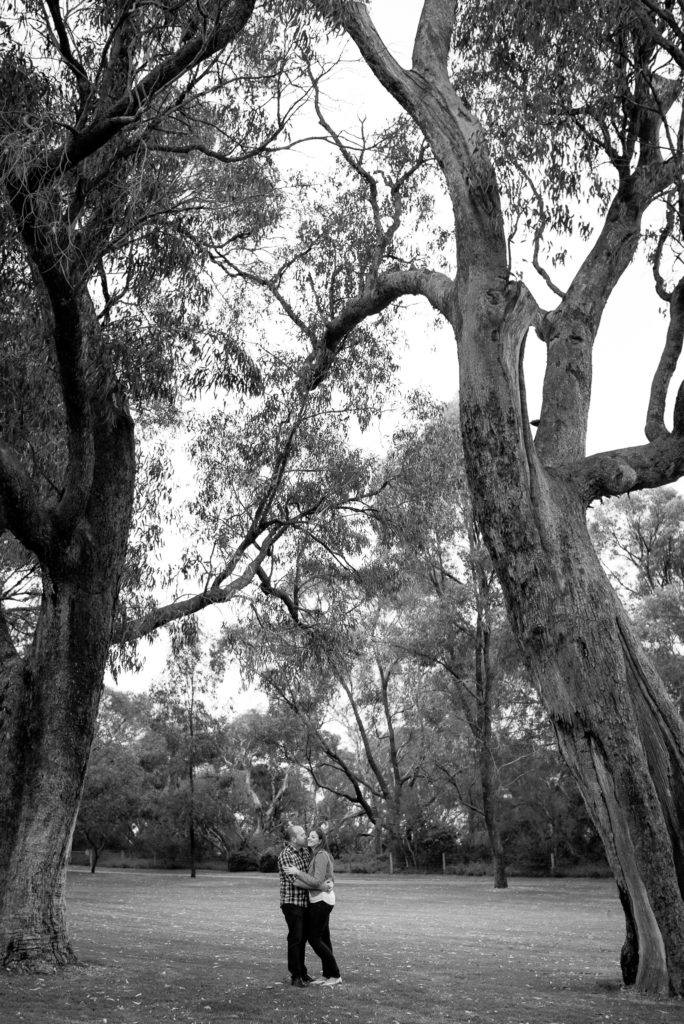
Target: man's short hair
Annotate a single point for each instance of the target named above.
(289, 830)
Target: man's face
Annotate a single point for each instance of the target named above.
(298, 836)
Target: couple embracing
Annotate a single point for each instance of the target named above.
(307, 898)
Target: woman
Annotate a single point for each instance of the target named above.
(321, 903)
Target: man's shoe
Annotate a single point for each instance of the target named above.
(307, 979)
(298, 983)
(329, 982)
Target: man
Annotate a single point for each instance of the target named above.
(294, 903)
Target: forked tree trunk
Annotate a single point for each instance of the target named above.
(49, 702)
(616, 728)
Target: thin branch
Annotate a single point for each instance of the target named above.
(655, 417)
(128, 631)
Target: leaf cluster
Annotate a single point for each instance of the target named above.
(562, 90)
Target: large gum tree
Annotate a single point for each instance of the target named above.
(100, 106)
(559, 87)
(136, 148)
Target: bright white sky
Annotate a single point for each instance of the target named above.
(629, 341)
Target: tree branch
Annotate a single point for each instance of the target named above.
(433, 38)
(372, 762)
(20, 506)
(436, 287)
(655, 417)
(9, 656)
(129, 631)
(355, 19)
(126, 110)
(627, 469)
(63, 46)
(570, 330)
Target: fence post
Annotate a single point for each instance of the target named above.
(391, 863)
(444, 863)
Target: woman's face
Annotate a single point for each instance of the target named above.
(313, 840)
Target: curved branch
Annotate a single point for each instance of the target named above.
(20, 507)
(353, 779)
(655, 417)
(626, 469)
(571, 329)
(436, 287)
(664, 235)
(71, 312)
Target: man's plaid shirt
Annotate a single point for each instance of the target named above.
(297, 858)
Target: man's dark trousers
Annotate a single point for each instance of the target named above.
(296, 938)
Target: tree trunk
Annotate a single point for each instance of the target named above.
(615, 725)
(619, 732)
(491, 817)
(193, 850)
(484, 689)
(49, 702)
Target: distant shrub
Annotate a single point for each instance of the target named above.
(371, 866)
(473, 868)
(594, 870)
(268, 861)
(243, 860)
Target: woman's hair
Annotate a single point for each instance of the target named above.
(323, 838)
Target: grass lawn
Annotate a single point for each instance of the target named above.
(160, 948)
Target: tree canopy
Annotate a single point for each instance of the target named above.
(140, 179)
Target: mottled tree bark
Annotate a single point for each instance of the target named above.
(616, 727)
(49, 702)
(49, 697)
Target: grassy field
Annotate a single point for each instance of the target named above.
(160, 948)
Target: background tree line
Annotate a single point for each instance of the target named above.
(140, 808)
(399, 711)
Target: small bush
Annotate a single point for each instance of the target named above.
(243, 860)
(471, 868)
(268, 861)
